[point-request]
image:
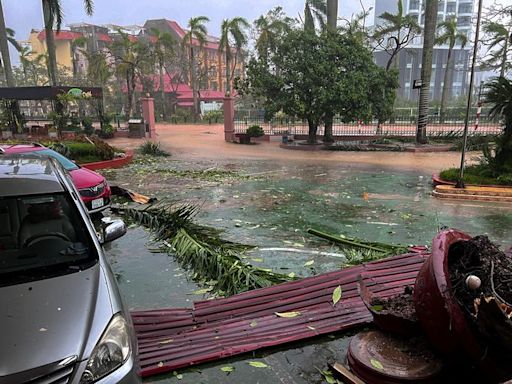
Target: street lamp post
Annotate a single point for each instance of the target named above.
(460, 181)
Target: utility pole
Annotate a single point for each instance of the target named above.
(460, 181)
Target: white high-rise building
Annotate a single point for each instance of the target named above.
(410, 58)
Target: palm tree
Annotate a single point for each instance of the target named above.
(53, 17)
(399, 29)
(164, 46)
(232, 29)
(315, 10)
(6, 37)
(450, 36)
(499, 95)
(269, 29)
(98, 70)
(197, 32)
(498, 46)
(77, 45)
(429, 34)
(132, 61)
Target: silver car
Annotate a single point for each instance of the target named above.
(62, 319)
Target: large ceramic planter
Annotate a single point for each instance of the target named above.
(441, 317)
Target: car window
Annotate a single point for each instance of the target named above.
(42, 236)
(64, 161)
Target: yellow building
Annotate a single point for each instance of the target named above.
(63, 46)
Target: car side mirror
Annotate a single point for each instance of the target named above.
(112, 229)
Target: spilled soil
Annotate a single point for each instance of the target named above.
(479, 257)
(486, 307)
(400, 306)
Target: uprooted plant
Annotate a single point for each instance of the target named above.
(201, 249)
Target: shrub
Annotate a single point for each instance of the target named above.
(213, 116)
(107, 132)
(87, 124)
(255, 131)
(152, 149)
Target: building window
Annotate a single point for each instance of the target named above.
(414, 5)
(451, 7)
(440, 6)
(464, 21)
(466, 8)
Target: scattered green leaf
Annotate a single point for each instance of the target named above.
(376, 308)
(258, 364)
(288, 314)
(308, 263)
(202, 291)
(336, 295)
(228, 369)
(377, 364)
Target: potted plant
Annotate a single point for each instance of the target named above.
(252, 131)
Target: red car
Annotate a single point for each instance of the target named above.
(94, 189)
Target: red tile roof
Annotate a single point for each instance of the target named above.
(170, 339)
(62, 35)
(103, 37)
(181, 32)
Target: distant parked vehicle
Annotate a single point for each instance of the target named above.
(63, 318)
(93, 188)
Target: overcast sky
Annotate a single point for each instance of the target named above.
(22, 15)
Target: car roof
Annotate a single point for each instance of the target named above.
(25, 174)
(21, 147)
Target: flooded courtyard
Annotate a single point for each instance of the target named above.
(270, 204)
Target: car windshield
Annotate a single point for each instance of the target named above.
(42, 236)
(64, 161)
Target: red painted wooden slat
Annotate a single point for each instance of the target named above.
(219, 328)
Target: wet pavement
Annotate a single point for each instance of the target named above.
(271, 204)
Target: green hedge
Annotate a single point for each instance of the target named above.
(479, 174)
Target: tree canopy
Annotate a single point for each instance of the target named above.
(311, 76)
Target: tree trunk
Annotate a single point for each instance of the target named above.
(504, 59)
(13, 105)
(50, 43)
(4, 50)
(193, 80)
(129, 94)
(328, 122)
(332, 14)
(313, 127)
(426, 69)
(446, 84)
(133, 105)
(228, 72)
(162, 92)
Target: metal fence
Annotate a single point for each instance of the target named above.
(400, 125)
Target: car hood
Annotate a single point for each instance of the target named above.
(49, 320)
(85, 178)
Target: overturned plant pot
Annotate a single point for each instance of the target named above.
(394, 314)
(450, 329)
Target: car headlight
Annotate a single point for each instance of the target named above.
(110, 353)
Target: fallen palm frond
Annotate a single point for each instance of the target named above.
(201, 249)
(358, 250)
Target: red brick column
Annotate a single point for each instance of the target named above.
(229, 119)
(148, 112)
